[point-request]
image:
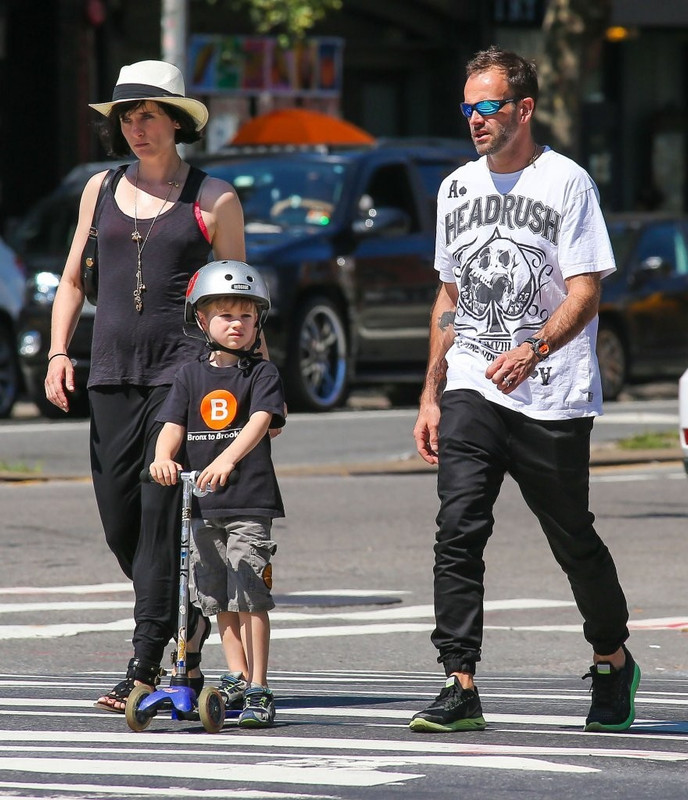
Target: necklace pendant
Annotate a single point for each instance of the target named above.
(136, 236)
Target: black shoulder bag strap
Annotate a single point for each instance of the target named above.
(89, 256)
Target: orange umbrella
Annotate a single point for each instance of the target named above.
(300, 126)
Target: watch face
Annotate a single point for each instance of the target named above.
(540, 347)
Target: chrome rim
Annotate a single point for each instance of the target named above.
(322, 355)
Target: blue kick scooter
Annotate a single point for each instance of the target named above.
(144, 702)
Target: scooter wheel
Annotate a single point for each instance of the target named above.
(138, 720)
(211, 709)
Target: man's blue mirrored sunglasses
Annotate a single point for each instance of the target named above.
(485, 107)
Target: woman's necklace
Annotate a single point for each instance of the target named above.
(140, 241)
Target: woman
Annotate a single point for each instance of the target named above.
(156, 226)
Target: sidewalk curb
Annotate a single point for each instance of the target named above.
(601, 456)
(604, 456)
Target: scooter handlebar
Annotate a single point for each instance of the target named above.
(146, 477)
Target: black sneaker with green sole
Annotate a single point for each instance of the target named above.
(454, 709)
(613, 695)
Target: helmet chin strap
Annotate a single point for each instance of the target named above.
(250, 353)
(245, 356)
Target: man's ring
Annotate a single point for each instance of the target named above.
(507, 382)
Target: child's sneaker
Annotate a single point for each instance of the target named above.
(259, 708)
(232, 688)
(613, 695)
(454, 709)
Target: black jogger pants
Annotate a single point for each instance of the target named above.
(142, 522)
(480, 441)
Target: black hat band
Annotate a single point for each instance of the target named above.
(134, 91)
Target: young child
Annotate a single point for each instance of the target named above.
(218, 413)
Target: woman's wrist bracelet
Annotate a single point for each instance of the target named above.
(55, 355)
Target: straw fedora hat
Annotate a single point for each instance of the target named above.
(157, 81)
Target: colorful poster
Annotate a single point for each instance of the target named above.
(202, 60)
(305, 62)
(230, 63)
(253, 64)
(256, 54)
(282, 69)
(329, 66)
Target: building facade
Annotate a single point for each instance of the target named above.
(402, 75)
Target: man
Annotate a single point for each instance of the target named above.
(513, 385)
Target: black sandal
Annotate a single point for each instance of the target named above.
(193, 660)
(137, 670)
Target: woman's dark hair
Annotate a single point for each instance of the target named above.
(521, 75)
(110, 128)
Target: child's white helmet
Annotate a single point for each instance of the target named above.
(226, 279)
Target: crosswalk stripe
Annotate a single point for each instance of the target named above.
(359, 745)
(417, 747)
(346, 774)
(121, 790)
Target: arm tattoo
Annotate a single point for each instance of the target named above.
(445, 320)
(439, 377)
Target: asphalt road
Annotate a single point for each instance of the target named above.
(351, 658)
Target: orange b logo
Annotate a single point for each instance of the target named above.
(218, 409)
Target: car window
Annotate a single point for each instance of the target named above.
(279, 194)
(661, 241)
(433, 173)
(390, 187)
(681, 253)
(622, 238)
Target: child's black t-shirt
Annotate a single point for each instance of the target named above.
(214, 404)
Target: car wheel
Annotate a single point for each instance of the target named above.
(9, 371)
(611, 355)
(317, 371)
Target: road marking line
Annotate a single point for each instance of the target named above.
(104, 605)
(423, 747)
(397, 612)
(665, 623)
(121, 791)
(8, 632)
(14, 632)
(637, 417)
(100, 588)
(348, 593)
(346, 774)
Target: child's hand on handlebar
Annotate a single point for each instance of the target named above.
(216, 474)
(164, 471)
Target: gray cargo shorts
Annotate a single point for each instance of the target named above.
(230, 564)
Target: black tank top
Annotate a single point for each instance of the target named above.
(147, 348)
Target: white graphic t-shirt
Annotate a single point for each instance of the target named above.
(509, 241)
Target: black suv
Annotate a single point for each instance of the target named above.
(643, 331)
(345, 241)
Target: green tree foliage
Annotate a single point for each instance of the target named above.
(288, 19)
(573, 36)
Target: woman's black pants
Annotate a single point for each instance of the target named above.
(142, 521)
(480, 441)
